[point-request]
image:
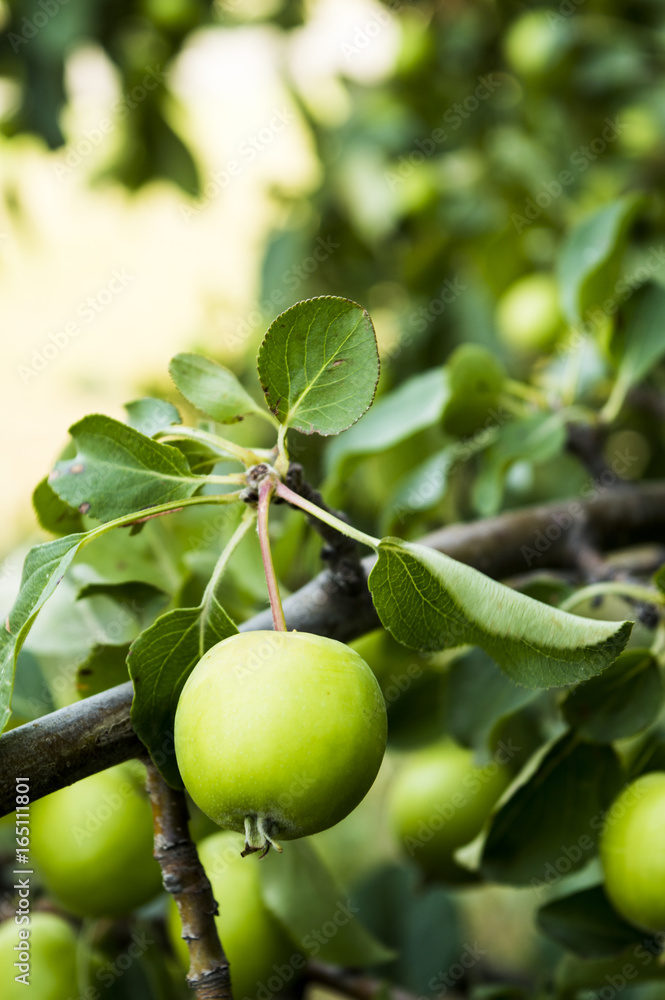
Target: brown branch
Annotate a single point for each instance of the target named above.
(96, 733)
(184, 877)
(360, 987)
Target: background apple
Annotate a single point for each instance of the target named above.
(439, 802)
(632, 850)
(52, 959)
(93, 843)
(253, 941)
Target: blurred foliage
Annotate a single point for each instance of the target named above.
(500, 185)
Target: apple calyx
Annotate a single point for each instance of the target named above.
(257, 836)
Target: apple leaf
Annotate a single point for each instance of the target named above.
(590, 258)
(535, 439)
(420, 922)
(319, 365)
(478, 695)
(160, 660)
(642, 341)
(586, 923)
(32, 696)
(150, 415)
(561, 801)
(118, 470)
(301, 892)
(430, 601)
(625, 699)
(44, 567)
(103, 668)
(212, 388)
(54, 514)
(423, 487)
(417, 403)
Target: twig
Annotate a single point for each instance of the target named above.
(96, 733)
(360, 987)
(184, 877)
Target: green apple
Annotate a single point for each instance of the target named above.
(279, 734)
(632, 851)
(92, 843)
(45, 952)
(393, 665)
(534, 42)
(440, 801)
(528, 315)
(254, 943)
(476, 379)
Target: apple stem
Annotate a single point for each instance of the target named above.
(283, 491)
(265, 493)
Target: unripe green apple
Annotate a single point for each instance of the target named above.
(92, 843)
(46, 955)
(255, 945)
(528, 315)
(439, 802)
(279, 734)
(533, 42)
(632, 851)
(476, 379)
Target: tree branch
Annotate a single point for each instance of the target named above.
(359, 987)
(96, 733)
(184, 877)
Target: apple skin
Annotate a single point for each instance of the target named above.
(440, 800)
(528, 315)
(253, 941)
(632, 852)
(93, 841)
(52, 959)
(286, 730)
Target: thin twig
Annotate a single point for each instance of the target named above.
(184, 877)
(360, 987)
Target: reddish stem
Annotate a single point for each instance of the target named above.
(266, 490)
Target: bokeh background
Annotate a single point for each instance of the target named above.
(174, 173)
